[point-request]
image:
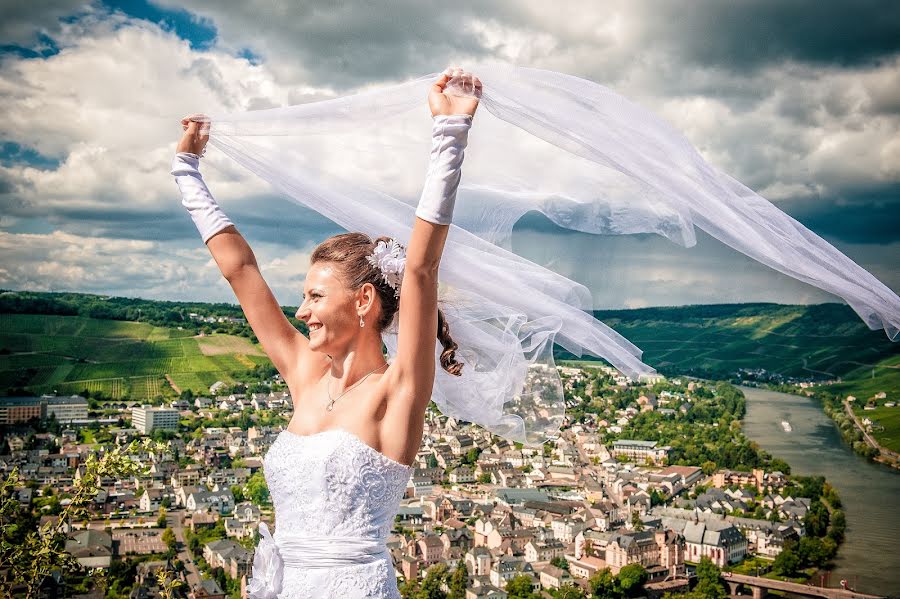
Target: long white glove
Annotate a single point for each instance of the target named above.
(195, 196)
(449, 136)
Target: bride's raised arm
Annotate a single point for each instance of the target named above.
(414, 365)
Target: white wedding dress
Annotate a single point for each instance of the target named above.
(335, 500)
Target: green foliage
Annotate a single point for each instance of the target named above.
(431, 585)
(631, 578)
(636, 522)
(458, 581)
(709, 584)
(569, 591)
(604, 584)
(257, 490)
(628, 583)
(33, 553)
(560, 562)
(520, 587)
(787, 562)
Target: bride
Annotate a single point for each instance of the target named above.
(337, 473)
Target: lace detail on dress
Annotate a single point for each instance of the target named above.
(333, 484)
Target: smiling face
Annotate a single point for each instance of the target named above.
(329, 308)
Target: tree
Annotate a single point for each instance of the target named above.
(569, 591)
(459, 580)
(604, 584)
(31, 554)
(161, 521)
(519, 587)
(709, 582)
(257, 490)
(560, 562)
(636, 522)
(168, 537)
(434, 580)
(631, 578)
(787, 561)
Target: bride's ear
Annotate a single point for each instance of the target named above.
(365, 299)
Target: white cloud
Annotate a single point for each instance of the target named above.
(107, 107)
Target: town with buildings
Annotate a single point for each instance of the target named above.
(599, 501)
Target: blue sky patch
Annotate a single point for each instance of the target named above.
(13, 153)
(196, 30)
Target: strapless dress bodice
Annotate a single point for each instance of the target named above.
(335, 500)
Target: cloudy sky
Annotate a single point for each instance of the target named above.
(799, 100)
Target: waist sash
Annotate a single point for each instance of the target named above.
(328, 551)
(274, 554)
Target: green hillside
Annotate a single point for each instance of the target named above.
(823, 341)
(124, 360)
(865, 384)
(69, 342)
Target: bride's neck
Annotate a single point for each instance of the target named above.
(355, 364)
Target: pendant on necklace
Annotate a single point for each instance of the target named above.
(330, 405)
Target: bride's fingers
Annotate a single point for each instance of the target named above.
(441, 83)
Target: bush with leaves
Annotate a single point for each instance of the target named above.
(32, 555)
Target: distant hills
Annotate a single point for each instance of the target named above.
(822, 341)
(138, 349)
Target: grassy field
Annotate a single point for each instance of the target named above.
(68, 354)
(820, 341)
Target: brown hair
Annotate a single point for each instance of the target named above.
(348, 251)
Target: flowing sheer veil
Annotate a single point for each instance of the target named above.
(588, 159)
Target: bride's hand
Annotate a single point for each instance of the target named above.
(196, 134)
(450, 103)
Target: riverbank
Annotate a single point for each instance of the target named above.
(867, 557)
(840, 411)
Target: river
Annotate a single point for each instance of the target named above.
(870, 492)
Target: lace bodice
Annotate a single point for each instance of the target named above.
(332, 484)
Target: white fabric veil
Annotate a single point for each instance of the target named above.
(587, 158)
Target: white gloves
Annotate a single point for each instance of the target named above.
(450, 134)
(449, 138)
(195, 196)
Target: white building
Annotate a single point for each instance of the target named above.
(146, 419)
(65, 409)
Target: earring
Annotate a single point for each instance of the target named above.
(362, 323)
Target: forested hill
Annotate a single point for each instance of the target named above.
(154, 312)
(775, 341)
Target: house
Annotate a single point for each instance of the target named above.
(230, 556)
(218, 501)
(462, 474)
(92, 548)
(428, 549)
(506, 567)
(722, 542)
(543, 551)
(552, 577)
(478, 561)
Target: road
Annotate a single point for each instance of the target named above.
(175, 521)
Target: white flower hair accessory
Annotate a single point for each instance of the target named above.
(390, 259)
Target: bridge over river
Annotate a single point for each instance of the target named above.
(758, 586)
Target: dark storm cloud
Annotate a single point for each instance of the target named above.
(26, 24)
(345, 44)
(743, 35)
(265, 219)
(864, 216)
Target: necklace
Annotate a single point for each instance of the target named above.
(331, 400)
